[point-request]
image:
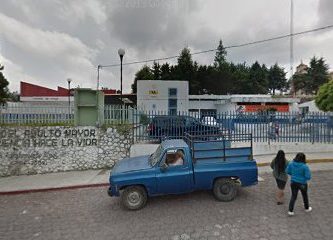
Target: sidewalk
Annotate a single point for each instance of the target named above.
(98, 178)
(264, 160)
(53, 181)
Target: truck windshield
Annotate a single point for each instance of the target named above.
(153, 159)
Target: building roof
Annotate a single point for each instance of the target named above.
(245, 98)
(32, 90)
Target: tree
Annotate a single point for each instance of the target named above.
(240, 77)
(145, 73)
(3, 86)
(165, 72)
(277, 79)
(258, 79)
(221, 80)
(205, 78)
(156, 71)
(184, 65)
(220, 56)
(318, 73)
(14, 96)
(185, 70)
(302, 82)
(324, 97)
(316, 76)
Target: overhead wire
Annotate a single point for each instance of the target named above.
(227, 47)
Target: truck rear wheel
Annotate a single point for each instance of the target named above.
(134, 197)
(225, 189)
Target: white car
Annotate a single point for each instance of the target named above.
(209, 120)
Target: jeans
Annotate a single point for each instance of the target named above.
(294, 191)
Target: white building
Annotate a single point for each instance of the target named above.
(244, 102)
(309, 106)
(173, 96)
(159, 95)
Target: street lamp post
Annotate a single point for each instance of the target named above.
(69, 95)
(121, 53)
(98, 69)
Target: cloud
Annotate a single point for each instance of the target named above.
(68, 54)
(14, 73)
(47, 43)
(150, 25)
(56, 39)
(78, 10)
(325, 10)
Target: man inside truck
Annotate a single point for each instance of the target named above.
(176, 159)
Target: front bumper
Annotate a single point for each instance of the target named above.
(113, 191)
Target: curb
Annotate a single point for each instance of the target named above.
(16, 192)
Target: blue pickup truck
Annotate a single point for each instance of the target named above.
(221, 164)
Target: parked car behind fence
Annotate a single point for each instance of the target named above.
(166, 127)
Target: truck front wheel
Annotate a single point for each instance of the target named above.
(225, 189)
(134, 197)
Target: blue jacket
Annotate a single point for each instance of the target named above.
(299, 172)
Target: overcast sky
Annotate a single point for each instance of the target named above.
(46, 42)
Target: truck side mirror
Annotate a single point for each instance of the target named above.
(164, 167)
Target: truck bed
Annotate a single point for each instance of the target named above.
(221, 157)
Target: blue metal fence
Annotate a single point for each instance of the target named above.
(264, 127)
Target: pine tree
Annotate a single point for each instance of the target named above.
(258, 79)
(165, 72)
(277, 79)
(145, 73)
(156, 71)
(220, 56)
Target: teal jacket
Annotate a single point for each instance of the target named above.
(299, 172)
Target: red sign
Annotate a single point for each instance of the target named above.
(259, 107)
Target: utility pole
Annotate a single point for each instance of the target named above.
(98, 68)
(292, 45)
(121, 53)
(69, 95)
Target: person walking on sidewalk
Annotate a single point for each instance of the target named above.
(279, 165)
(300, 175)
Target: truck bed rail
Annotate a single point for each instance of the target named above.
(233, 147)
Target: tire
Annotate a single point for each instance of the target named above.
(134, 197)
(225, 189)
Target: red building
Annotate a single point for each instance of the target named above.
(35, 93)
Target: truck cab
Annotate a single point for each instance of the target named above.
(216, 163)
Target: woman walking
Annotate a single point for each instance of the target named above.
(300, 174)
(279, 165)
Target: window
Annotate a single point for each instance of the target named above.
(173, 106)
(172, 101)
(172, 92)
(175, 157)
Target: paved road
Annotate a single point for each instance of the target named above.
(90, 214)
